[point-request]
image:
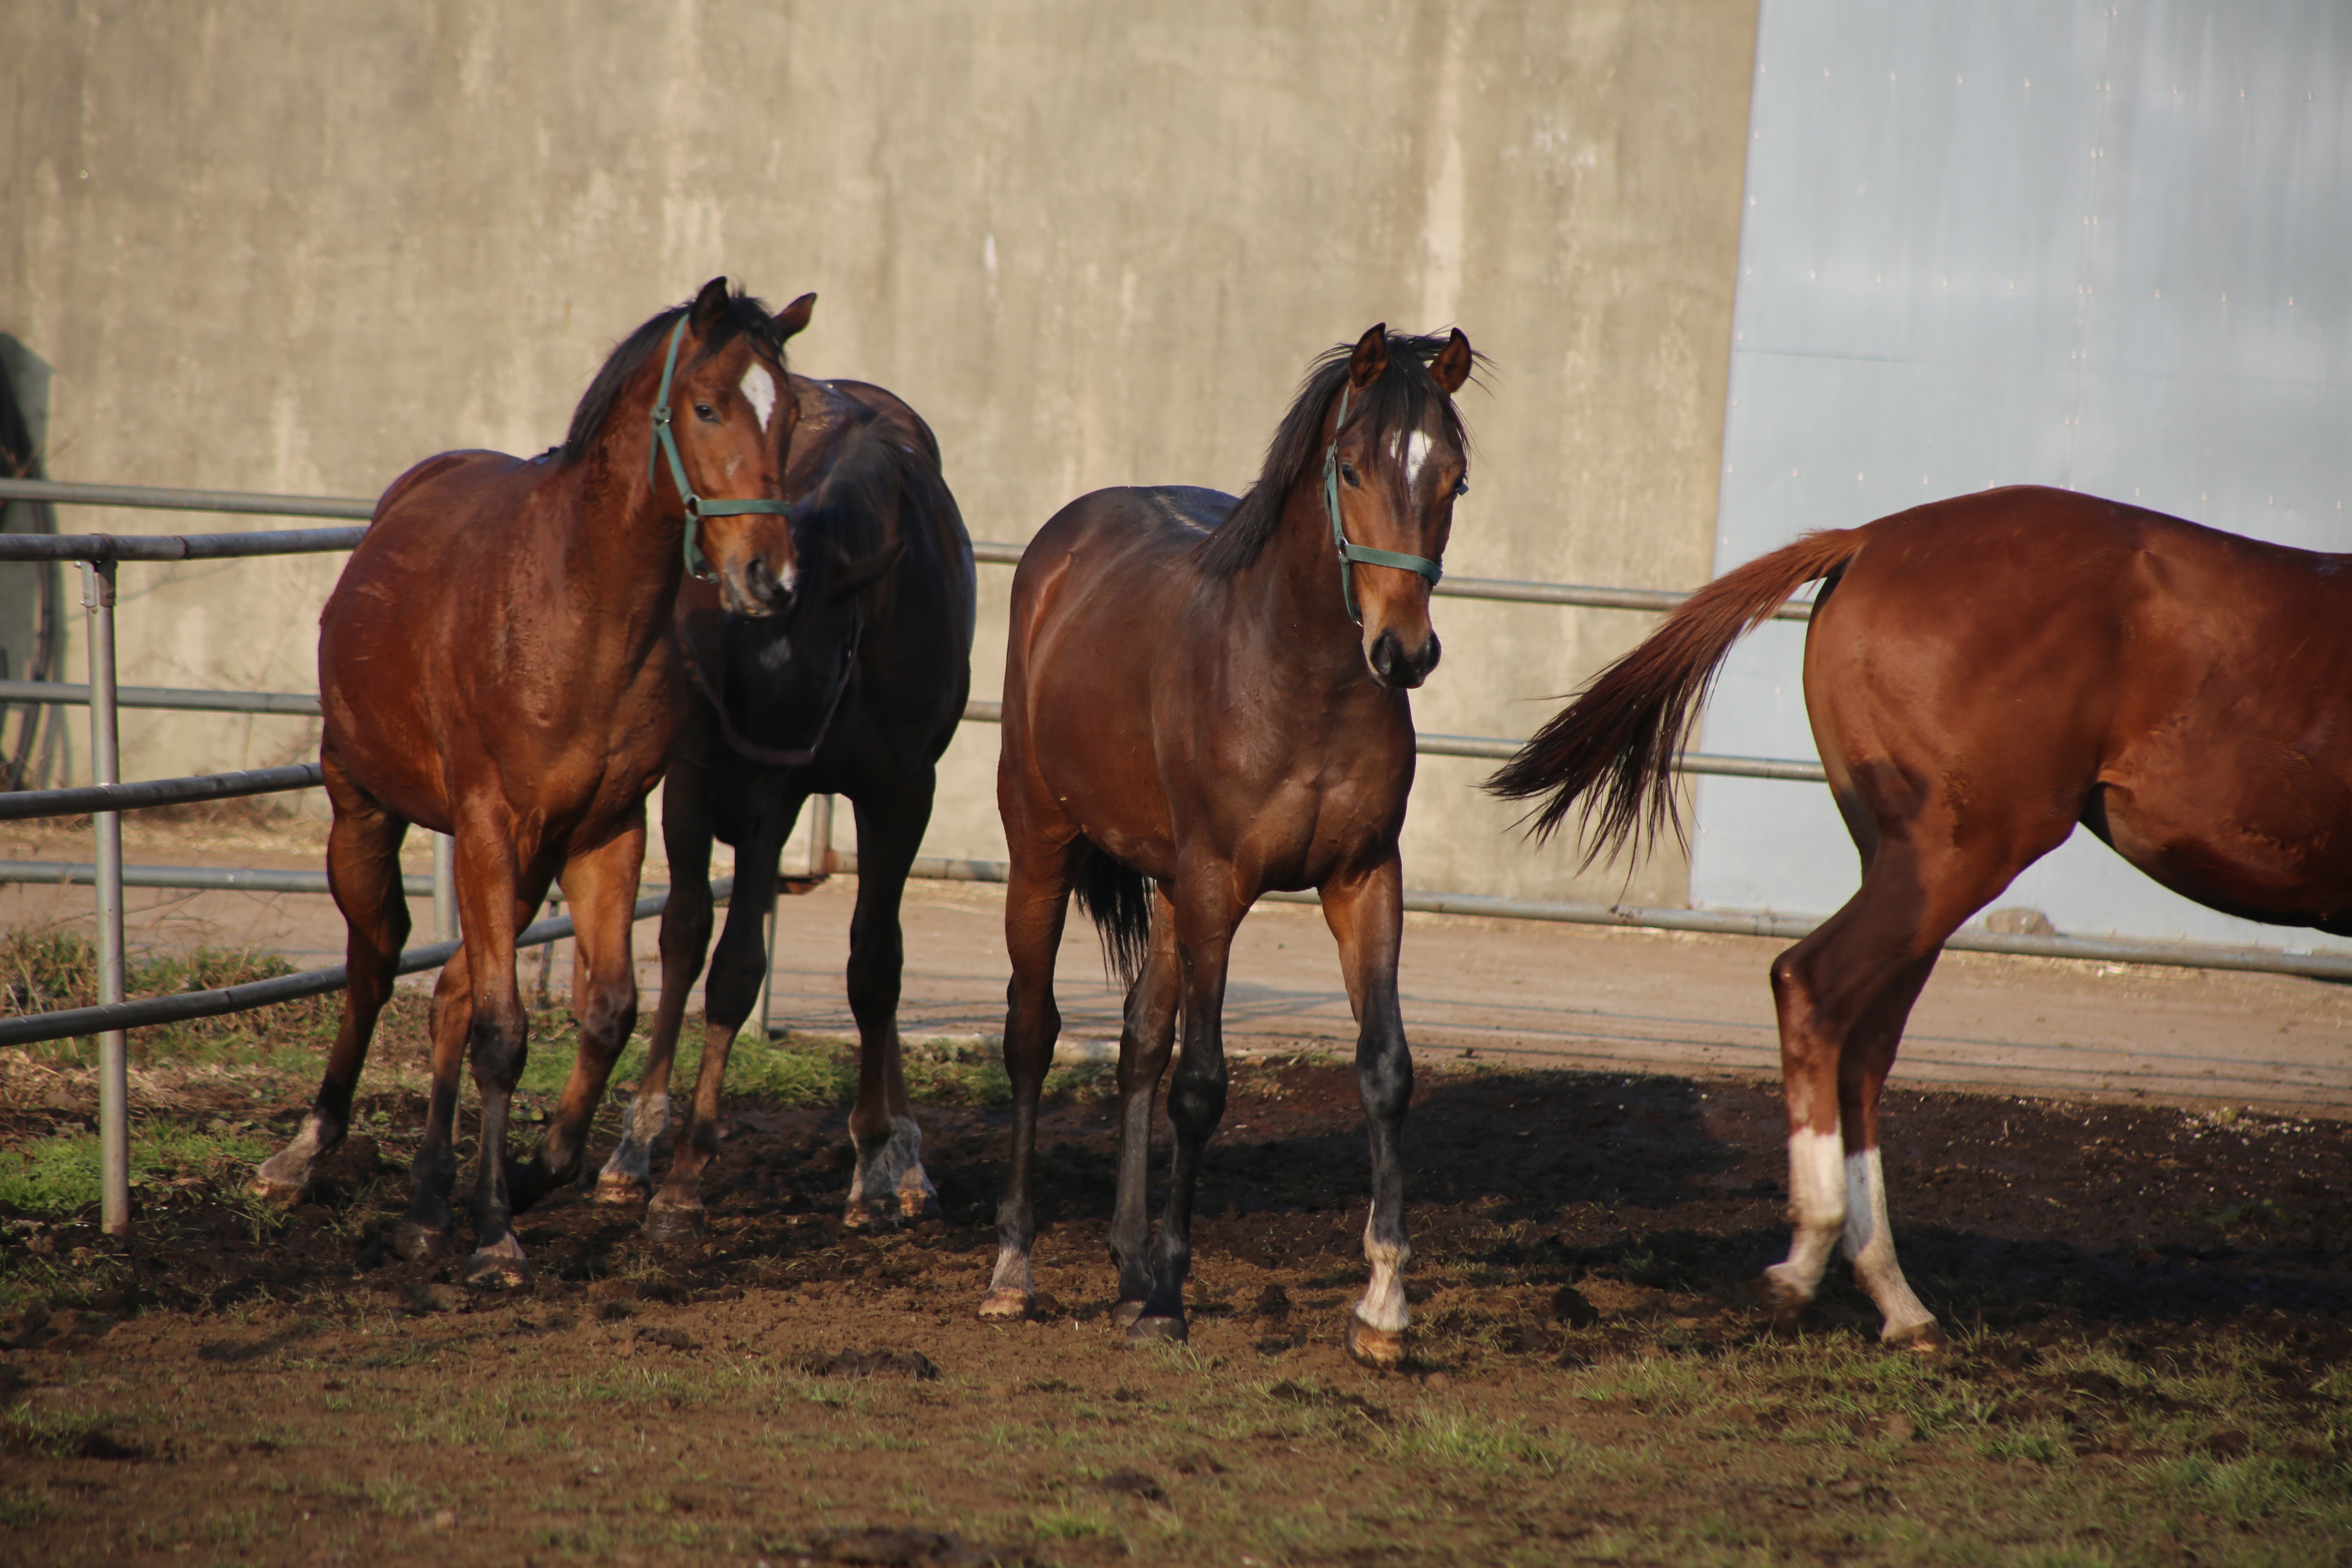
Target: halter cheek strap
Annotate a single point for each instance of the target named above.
(665, 445)
(1350, 553)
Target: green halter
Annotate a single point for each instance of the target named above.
(697, 509)
(1351, 553)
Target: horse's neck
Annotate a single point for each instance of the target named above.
(620, 557)
(1302, 619)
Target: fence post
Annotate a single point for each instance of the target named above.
(105, 765)
(445, 888)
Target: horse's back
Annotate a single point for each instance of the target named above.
(2180, 688)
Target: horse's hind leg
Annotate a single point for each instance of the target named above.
(627, 1176)
(364, 870)
(737, 965)
(1144, 1044)
(1844, 994)
(890, 1184)
(1367, 916)
(424, 1230)
(601, 886)
(1036, 901)
(493, 902)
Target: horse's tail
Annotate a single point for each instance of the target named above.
(1614, 747)
(1118, 898)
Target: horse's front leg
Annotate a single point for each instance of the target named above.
(602, 885)
(492, 908)
(890, 1184)
(627, 1176)
(737, 965)
(1205, 919)
(1366, 914)
(1145, 1041)
(1036, 901)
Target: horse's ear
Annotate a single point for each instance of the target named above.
(1451, 365)
(1370, 359)
(794, 316)
(708, 305)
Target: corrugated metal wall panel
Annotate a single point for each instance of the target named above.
(2096, 245)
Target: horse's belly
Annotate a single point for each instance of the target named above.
(2284, 857)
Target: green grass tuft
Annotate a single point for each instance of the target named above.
(59, 1175)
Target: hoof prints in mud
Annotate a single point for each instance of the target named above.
(886, 1548)
(912, 1364)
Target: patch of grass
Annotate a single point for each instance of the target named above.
(59, 1174)
(21, 1506)
(47, 970)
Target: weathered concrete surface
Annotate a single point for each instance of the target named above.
(290, 248)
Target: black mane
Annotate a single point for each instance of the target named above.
(744, 313)
(1397, 401)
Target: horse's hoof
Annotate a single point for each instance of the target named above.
(917, 1205)
(874, 1216)
(1169, 1330)
(674, 1225)
(418, 1242)
(1123, 1314)
(275, 1193)
(618, 1189)
(501, 1265)
(1786, 1301)
(1920, 1339)
(1380, 1349)
(1004, 1306)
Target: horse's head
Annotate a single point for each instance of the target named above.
(1394, 463)
(724, 421)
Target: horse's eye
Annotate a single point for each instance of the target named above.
(1348, 472)
(1462, 486)
(704, 412)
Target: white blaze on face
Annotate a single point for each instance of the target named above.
(760, 387)
(1417, 452)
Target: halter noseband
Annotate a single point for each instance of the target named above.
(1350, 553)
(666, 444)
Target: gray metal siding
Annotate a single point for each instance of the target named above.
(2102, 246)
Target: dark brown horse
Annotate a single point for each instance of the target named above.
(1982, 674)
(855, 691)
(1204, 699)
(498, 662)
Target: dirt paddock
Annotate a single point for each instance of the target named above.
(2150, 1295)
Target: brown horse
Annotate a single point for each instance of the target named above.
(1982, 674)
(855, 691)
(1208, 696)
(498, 662)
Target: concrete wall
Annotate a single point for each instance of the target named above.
(295, 247)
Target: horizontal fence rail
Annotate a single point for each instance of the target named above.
(20, 804)
(185, 1006)
(190, 878)
(67, 693)
(1788, 928)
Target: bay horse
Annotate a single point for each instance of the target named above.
(855, 691)
(498, 662)
(1205, 700)
(1982, 674)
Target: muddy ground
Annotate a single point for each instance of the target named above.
(2152, 1312)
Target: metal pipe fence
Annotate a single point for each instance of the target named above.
(106, 798)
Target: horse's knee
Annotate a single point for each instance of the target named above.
(494, 1041)
(607, 1016)
(1197, 1098)
(1384, 1081)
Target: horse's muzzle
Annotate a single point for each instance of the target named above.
(757, 590)
(1398, 669)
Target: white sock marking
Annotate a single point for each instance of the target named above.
(1870, 1243)
(1816, 1208)
(761, 388)
(1384, 1306)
